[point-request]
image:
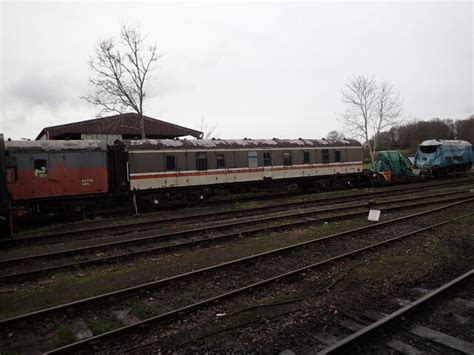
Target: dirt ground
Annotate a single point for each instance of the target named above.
(291, 315)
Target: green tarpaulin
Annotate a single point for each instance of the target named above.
(393, 161)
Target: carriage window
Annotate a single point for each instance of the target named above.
(11, 174)
(220, 161)
(267, 159)
(41, 169)
(253, 159)
(170, 162)
(287, 158)
(11, 170)
(338, 156)
(325, 156)
(201, 161)
(305, 157)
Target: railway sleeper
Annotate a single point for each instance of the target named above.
(212, 300)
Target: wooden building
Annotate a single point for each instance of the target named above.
(108, 129)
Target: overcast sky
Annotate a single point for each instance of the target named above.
(259, 70)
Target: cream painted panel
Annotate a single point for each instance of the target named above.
(220, 177)
(171, 181)
(209, 178)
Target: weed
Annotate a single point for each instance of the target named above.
(64, 335)
(141, 310)
(99, 325)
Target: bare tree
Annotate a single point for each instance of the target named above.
(122, 72)
(387, 110)
(371, 108)
(208, 130)
(335, 135)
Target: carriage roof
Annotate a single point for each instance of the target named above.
(203, 144)
(60, 145)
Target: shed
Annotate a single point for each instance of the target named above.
(108, 129)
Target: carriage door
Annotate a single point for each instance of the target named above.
(267, 165)
(40, 175)
(57, 174)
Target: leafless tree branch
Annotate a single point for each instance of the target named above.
(208, 130)
(371, 107)
(121, 74)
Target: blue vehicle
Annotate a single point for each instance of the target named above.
(439, 158)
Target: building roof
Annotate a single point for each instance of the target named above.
(199, 144)
(127, 124)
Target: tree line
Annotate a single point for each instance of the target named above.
(373, 114)
(407, 136)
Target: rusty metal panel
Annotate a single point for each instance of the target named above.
(45, 175)
(84, 159)
(86, 173)
(3, 184)
(92, 180)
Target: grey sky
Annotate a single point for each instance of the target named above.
(259, 70)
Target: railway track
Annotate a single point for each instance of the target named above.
(238, 198)
(205, 219)
(267, 268)
(32, 266)
(153, 223)
(221, 200)
(432, 323)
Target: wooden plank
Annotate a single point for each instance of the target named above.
(126, 316)
(343, 344)
(351, 325)
(444, 339)
(404, 348)
(325, 338)
(465, 303)
(28, 344)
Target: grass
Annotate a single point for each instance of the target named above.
(141, 310)
(67, 287)
(64, 336)
(367, 166)
(99, 325)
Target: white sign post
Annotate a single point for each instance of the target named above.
(374, 215)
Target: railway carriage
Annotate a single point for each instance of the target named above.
(165, 171)
(6, 213)
(44, 177)
(64, 178)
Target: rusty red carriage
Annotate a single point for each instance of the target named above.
(40, 173)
